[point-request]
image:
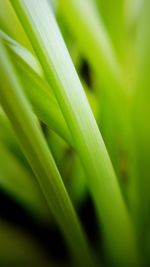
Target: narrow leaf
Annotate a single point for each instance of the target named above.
(48, 43)
(36, 150)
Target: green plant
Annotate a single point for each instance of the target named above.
(49, 110)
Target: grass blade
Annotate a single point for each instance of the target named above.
(20, 184)
(141, 135)
(36, 150)
(46, 39)
(17, 32)
(94, 42)
(114, 18)
(37, 89)
(113, 88)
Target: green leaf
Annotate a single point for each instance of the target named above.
(17, 32)
(113, 88)
(37, 89)
(140, 183)
(18, 182)
(47, 41)
(36, 150)
(113, 14)
(95, 43)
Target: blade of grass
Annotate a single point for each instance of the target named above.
(95, 43)
(140, 183)
(20, 184)
(13, 153)
(113, 14)
(43, 101)
(41, 161)
(37, 89)
(113, 88)
(22, 53)
(70, 168)
(17, 32)
(97, 47)
(47, 41)
(9, 140)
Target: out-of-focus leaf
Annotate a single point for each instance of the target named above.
(20, 184)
